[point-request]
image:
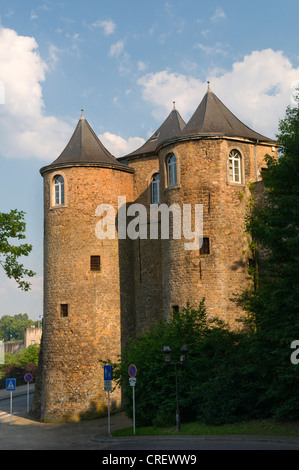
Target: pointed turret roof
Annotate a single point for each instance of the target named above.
(84, 148)
(171, 127)
(213, 118)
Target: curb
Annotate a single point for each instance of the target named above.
(220, 437)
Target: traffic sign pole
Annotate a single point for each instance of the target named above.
(109, 432)
(10, 408)
(132, 379)
(108, 388)
(28, 377)
(27, 397)
(10, 387)
(133, 410)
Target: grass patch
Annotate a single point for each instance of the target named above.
(254, 428)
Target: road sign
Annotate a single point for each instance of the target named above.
(28, 377)
(132, 381)
(132, 370)
(107, 386)
(11, 385)
(107, 372)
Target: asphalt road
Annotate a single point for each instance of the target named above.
(27, 434)
(19, 404)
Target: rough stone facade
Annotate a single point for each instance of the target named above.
(72, 376)
(141, 280)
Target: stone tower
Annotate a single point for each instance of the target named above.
(209, 161)
(149, 262)
(85, 313)
(216, 157)
(100, 292)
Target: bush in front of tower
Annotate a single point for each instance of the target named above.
(214, 383)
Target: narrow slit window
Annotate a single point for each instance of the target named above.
(95, 263)
(205, 249)
(64, 310)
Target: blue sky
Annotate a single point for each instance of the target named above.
(124, 63)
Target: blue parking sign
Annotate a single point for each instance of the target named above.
(11, 385)
(107, 372)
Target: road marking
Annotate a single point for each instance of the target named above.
(4, 415)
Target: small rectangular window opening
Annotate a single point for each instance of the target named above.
(205, 249)
(175, 309)
(64, 310)
(95, 263)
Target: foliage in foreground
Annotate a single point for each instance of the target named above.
(227, 377)
(235, 376)
(273, 308)
(18, 364)
(209, 361)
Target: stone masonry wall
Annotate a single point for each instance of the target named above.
(71, 384)
(203, 179)
(147, 252)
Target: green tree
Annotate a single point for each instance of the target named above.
(12, 226)
(211, 348)
(16, 365)
(25, 357)
(12, 328)
(274, 306)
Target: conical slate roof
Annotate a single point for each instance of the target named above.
(85, 147)
(213, 118)
(171, 127)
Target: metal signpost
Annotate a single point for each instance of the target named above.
(108, 388)
(132, 379)
(28, 378)
(11, 387)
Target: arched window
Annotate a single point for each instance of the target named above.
(234, 167)
(155, 189)
(172, 179)
(59, 190)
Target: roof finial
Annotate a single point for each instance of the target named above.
(82, 117)
(209, 89)
(173, 104)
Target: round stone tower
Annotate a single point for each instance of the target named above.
(210, 163)
(87, 300)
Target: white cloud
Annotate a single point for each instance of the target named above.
(117, 49)
(218, 15)
(118, 146)
(141, 66)
(25, 130)
(108, 26)
(53, 56)
(162, 88)
(34, 15)
(257, 90)
(218, 48)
